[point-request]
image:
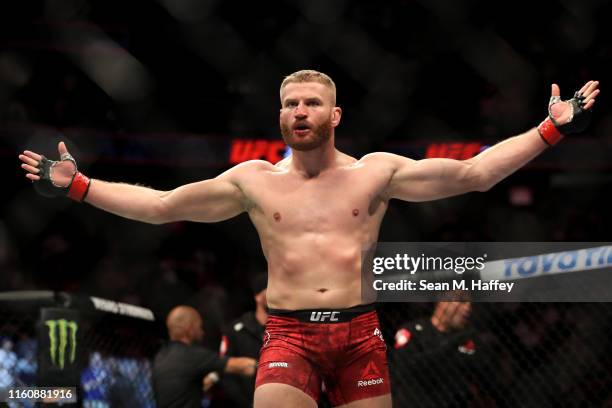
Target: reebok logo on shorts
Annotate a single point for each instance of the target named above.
(281, 364)
(362, 383)
(370, 376)
(378, 334)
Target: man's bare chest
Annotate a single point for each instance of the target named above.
(338, 201)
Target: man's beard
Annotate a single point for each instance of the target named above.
(320, 135)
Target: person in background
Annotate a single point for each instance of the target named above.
(244, 337)
(432, 358)
(180, 366)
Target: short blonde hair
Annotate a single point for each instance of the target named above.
(310, 75)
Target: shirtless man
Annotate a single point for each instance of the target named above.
(314, 212)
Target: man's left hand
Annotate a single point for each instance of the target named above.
(562, 112)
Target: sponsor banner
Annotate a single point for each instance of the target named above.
(454, 150)
(59, 351)
(242, 150)
(125, 309)
(488, 272)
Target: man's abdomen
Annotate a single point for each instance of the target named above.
(315, 270)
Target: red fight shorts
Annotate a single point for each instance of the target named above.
(342, 351)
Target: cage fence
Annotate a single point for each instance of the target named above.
(56, 340)
(499, 354)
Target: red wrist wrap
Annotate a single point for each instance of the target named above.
(549, 133)
(79, 187)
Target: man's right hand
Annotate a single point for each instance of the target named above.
(55, 178)
(61, 173)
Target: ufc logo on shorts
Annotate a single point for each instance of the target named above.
(323, 316)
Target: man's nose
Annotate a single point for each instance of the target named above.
(300, 111)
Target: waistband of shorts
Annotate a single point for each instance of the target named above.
(324, 315)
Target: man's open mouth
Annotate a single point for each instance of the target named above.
(301, 129)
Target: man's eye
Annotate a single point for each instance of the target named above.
(313, 103)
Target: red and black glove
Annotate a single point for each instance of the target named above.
(77, 189)
(551, 131)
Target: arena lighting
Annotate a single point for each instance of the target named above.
(123, 77)
(454, 150)
(253, 149)
(273, 150)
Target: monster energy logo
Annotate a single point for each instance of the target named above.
(59, 340)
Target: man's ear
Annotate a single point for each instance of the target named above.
(336, 115)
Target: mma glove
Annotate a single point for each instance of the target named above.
(551, 131)
(77, 189)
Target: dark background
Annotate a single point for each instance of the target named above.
(153, 92)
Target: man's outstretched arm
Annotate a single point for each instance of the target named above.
(205, 201)
(432, 179)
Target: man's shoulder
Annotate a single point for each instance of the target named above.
(177, 349)
(381, 160)
(376, 157)
(254, 165)
(381, 163)
(170, 353)
(253, 168)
